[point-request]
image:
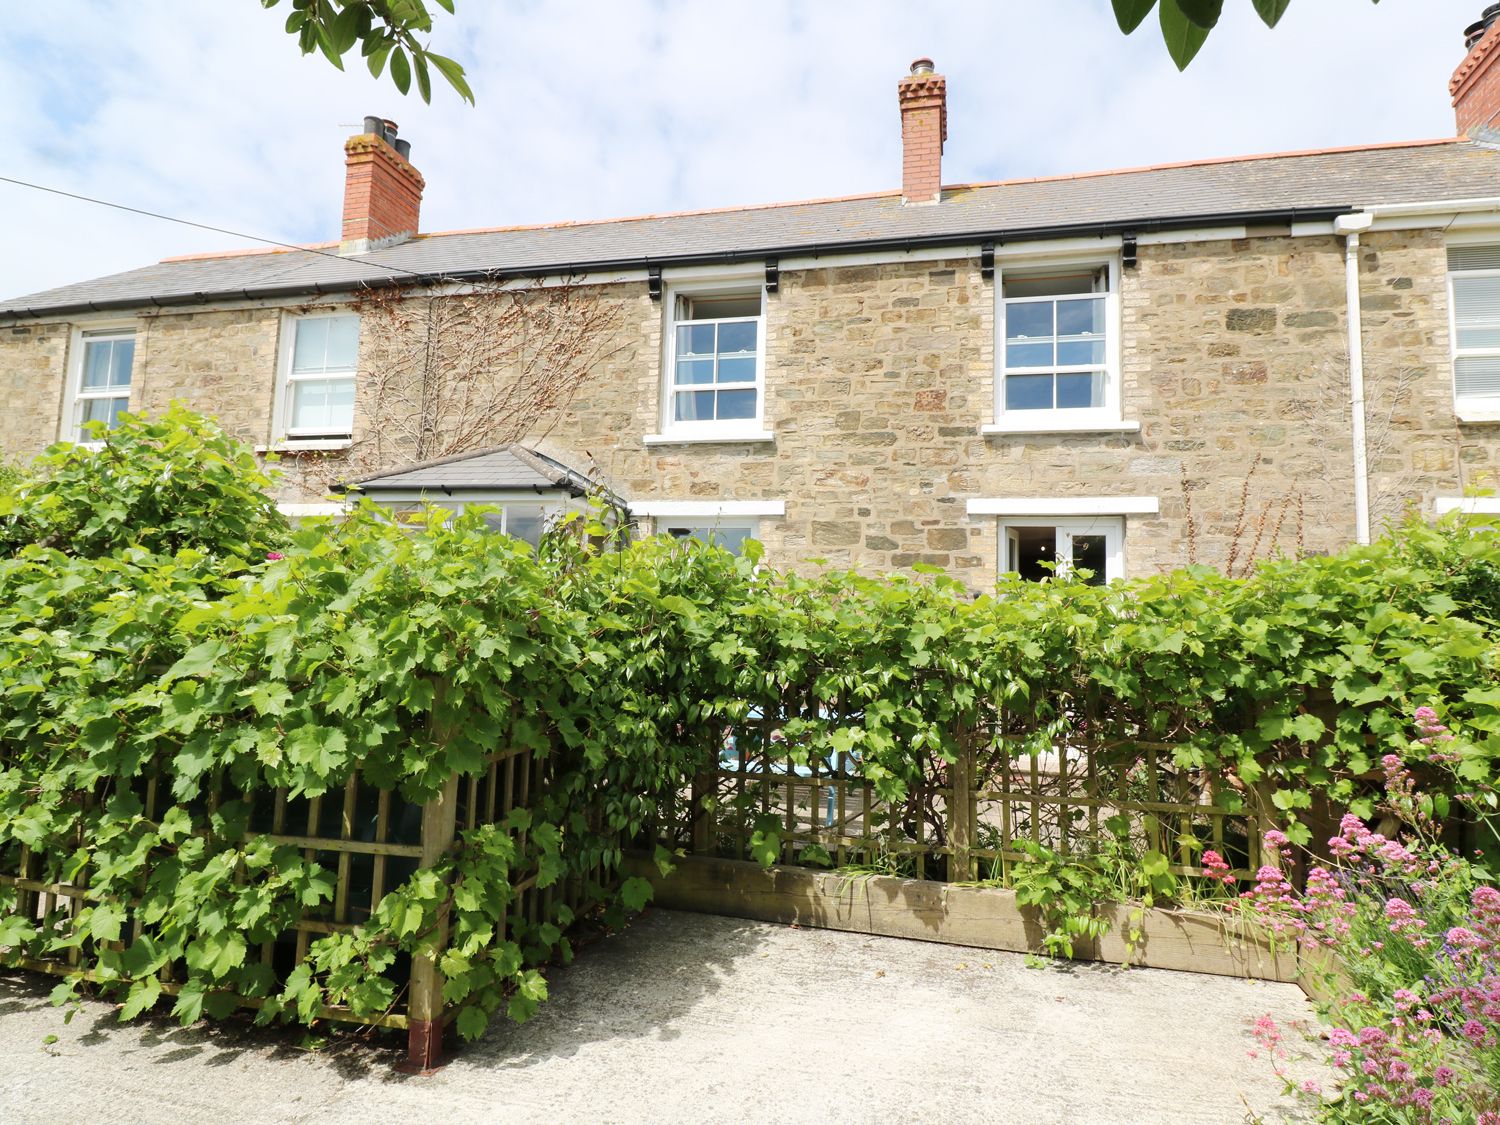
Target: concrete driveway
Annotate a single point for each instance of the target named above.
(691, 1018)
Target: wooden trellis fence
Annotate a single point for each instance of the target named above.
(966, 821)
(372, 840)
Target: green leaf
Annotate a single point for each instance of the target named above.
(15, 931)
(376, 59)
(143, 995)
(424, 78)
(199, 660)
(1183, 37)
(1130, 13)
(1306, 728)
(1154, 863)
(344, 31)
(635, 893)
(400, 70)
(105, 921)
(472, 1020)
(189, 1006)
(663, 859)
(1204, 13)
(1271, 11)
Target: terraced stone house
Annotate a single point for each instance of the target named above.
(1122, 371)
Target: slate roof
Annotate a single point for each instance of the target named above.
(1286, 187)
(501, 469)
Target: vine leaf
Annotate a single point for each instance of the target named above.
(635, 892)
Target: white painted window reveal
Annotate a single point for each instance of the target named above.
(102, 369)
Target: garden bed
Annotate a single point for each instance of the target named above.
(959, 914)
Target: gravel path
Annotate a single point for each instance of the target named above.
(691, 1018)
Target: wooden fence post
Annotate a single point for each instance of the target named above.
(424, 1010)
(960, 810)
(703, 818)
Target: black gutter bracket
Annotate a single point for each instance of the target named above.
(653, 282)
(773, 275)
(987, 261)
(1128, 250)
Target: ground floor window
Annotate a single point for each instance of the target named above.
(1038, 547)
(520, 521)
(730, 534)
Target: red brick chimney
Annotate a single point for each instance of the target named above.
(1475, 85)
(924, 128)
(382, 191)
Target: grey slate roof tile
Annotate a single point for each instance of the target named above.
(1311, 182)
(509, 467)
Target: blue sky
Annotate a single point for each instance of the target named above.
(598, 108)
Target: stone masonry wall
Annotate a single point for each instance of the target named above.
(33, 360)
(879, 377)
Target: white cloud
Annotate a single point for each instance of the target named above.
(595, 108)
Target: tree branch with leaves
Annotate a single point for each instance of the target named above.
(1185, 24)
(387, 32)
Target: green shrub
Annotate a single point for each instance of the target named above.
(159, 483)
(144, 630)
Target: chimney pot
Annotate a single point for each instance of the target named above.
(923, 96)
(374, 126)
(403, 147)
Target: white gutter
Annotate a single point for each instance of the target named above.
(1431, 207)
(1349, 226)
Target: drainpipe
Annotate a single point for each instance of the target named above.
(1350, 226)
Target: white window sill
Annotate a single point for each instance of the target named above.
(1055, 425)
(294, 446)
(727, 437)
(1478, 414)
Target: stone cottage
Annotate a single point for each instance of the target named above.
(1123, 371)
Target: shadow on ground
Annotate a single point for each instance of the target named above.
(211, 1043)
(635, 984)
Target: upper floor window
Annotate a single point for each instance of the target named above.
(1474, 279)
(315, 394)
(1058, 328)
(715, 360)
(100, 380)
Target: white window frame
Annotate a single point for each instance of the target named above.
(72, 413)
(714, 430)
(552, 508)
(1062, 420)
(282, 407)
(1111, 527)
(1469, 408)
(736, 514)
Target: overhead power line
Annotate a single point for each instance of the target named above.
(191, 223)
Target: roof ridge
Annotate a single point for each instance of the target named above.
(571, 224)
(1247, 158)
(435, 462)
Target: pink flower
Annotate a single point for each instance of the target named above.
(1461, 938)
(1276, 839)
(274, 556)
(1216, 867)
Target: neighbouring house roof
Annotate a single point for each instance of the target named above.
(1283, 186)
(507, 468)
